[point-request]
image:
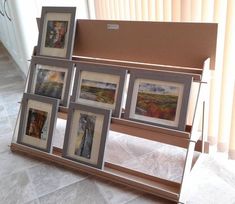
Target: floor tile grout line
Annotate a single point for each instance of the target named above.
(110, 182)
(126, 202)
(139, 157)
(65, 186)
(19, 170)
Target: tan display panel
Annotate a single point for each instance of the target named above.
(166, 43)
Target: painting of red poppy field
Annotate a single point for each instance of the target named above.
(157, 101)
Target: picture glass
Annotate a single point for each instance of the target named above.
(98, 89)
(55, 34)
(157, 101)
(50, 81)
(37, 124)
(85, 136)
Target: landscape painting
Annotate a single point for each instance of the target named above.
(157, 100)
(50, 83)
(85, 134)
(98, 91)
(37, 125)
(56, 33)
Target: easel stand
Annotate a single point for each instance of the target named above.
(185, 48)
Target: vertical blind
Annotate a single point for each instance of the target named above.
(221, 131)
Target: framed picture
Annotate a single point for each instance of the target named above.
(100, 86)
(51, 77)
(37, 121)
(158, 98)
(56, 32)
(85, 135)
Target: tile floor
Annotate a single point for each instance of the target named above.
(25, 180)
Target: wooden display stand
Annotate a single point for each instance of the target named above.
(173, 47)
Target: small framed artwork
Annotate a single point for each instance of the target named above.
(85, 135)
(56, 32)
(158, 98)
(51, 77)
(100, 86)
(37, 121)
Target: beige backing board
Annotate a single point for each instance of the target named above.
(166, 43)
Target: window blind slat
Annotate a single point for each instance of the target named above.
(207, 10)
(138, 8)
(159, 10)
(144, 8)
(176, 10)
(132, 10)
(151, 10)
(232, 133)
(167, 10)
(185, 10)
(220, 9)
(228, 75)
(196, 8)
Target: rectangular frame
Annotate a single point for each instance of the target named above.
(161, 86)
(53, 65)
(99, 120)
(60, 39)
(98, 73)
(41, 106)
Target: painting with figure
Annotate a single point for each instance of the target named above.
(56, 33)
(157, 100)
(50, 83)
(37, 125)
(98, 91)
(85, 134)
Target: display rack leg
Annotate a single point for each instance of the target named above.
(187, 169)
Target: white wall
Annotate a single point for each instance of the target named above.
(20, 34)
(82, 6)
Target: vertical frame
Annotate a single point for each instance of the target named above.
(86, 133)
(37, 121)
(56, 32)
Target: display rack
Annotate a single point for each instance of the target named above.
(187, 48)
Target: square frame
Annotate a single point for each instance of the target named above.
(52, 65)
(60, 37)
(99, 123)
(172, 90)
(98, 73)
(38, 105)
